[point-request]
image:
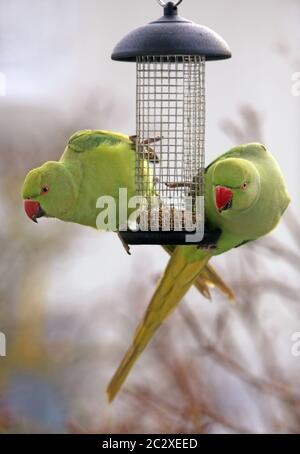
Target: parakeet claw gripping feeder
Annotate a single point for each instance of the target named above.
(170, 55)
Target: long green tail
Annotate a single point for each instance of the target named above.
(179, 276)
(207, 278)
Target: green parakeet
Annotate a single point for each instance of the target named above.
(94, 163)
(245, 197)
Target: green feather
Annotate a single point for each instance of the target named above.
(89, 139)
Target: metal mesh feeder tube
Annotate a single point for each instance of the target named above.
(170, 55)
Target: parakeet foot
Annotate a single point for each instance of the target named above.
(210, 239)
(147, 152)
(207, 247)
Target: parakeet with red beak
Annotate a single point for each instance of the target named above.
(94, 163)
(245, 197)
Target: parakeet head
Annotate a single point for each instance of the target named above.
(48, 191)
(236, 184)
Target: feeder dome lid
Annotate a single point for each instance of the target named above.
(170, 35)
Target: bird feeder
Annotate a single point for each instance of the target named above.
(170, 55)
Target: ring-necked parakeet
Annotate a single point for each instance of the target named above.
(245, 197)
(94, 163)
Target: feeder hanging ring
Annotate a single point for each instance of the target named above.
(163, 4)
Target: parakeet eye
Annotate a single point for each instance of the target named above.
(244, 186)
(44, 190)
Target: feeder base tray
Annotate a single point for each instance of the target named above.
(174, 238)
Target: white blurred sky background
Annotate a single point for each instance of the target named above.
(56, 54)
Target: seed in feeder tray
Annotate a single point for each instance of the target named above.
(167, 219)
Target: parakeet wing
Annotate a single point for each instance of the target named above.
(90, 139)
(213, 279)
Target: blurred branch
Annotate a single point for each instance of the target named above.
(280, 390)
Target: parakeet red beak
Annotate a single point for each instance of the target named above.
(33, 209)
(223, 198)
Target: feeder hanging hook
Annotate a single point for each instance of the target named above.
(163, 4)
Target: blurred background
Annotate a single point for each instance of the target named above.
(70, 297)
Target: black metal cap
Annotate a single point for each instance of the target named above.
(171, 35)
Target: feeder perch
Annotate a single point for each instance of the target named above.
(170, 55)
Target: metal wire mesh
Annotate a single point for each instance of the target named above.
(170, 126)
